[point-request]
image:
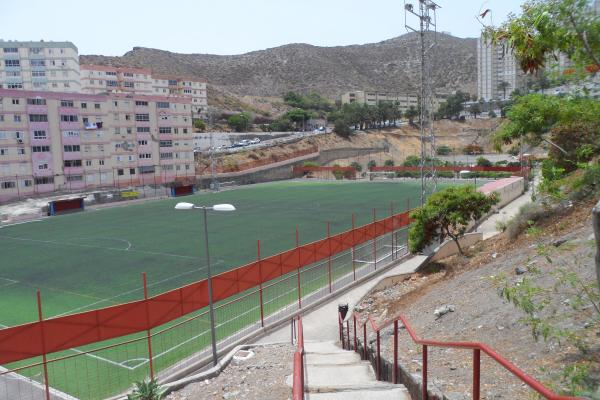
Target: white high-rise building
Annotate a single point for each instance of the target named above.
(498, 72)
(51, 66)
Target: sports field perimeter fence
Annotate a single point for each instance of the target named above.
(100, 353)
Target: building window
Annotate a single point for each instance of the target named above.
(66, 103)
(69, 118)
(142, 117)
(74, 178)
(36, 102)
(27, 182)
(40, 149)
(15, 101)
(37, 63)
(17, 118)
(44, 180)
(11, 50)
(120, 172)
(185, 130)
(3, 152)
(97, 106)
(140, 103)
(166, 156)
(20, 151)
(100, 162)
(70, 148)
(166, 143)
(84, 105)
(142, 142)
(42, 166)
(131, 171)
(71, 133)
(8, 185)
(12, 63)
(14, 86)
(38, 118)
(162, 104)
(164, 129)
(72, 163)
(143, 129)
(39, 134)
(128, 84)
(127, 117)
(88, 163)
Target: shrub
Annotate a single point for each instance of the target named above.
(588, 185)
(199, 125)
(356, 166)
(146, 391)
(311, 164)
(371, 164)
(483, 162)
(443, 150)
(473, 149)
(389, 163)
(342, 128)
(528, 213)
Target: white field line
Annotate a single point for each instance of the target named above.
(136, 290)
(19, 223)
(106, 360)
(156, 253)
(9, 282)
(127, 242)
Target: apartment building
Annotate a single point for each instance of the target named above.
(404, 101)
(195, 89)
(52, 66)
(498, 72)
(97, 79)
(51, 141)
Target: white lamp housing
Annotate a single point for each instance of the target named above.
(223, 207)
(184, 206)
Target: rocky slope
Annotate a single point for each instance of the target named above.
(390, 66)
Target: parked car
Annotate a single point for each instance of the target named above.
(255, 141)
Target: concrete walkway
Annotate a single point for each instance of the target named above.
(321, 323)
(335, 374)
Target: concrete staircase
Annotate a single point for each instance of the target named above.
(332, 373)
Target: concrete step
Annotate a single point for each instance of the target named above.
(327, 378)
(397, 393)
(331, 358)
(329, 347)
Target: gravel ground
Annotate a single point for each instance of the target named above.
(259, 377)
(481, 315)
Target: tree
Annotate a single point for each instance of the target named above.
(447, 214)
(388, 163)
(492, 114)
(475, 109)
(356, 165)
(412, 161)
(240, 122)
(453, 105)
(411, 114)
(342, 127)
(546, 27)
(503, 85)
(199, 125)
(299, 117)
(443, 150)
(371, 164)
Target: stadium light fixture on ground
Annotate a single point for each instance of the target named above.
(216, 207)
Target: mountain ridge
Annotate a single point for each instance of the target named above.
(390, 65)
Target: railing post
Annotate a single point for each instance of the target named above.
(365, 341)
(374, 241)
(355, 340)
(424, 374)
(407, 210)
(348, 333)
(148, 334)
(299, 265)
(395, 372)
(340, 325)
(353, 243)
(378, 357)
(260, 289)
(329, 254)
(476, 373)
(44, 361)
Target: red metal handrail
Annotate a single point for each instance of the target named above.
(298, 385)
(477, 348)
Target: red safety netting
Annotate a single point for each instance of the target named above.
(61, 333)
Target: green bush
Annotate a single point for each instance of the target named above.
(199, 125)
(443, 150)
(388, 163)
(483, 162)
(356, 166)
(371, 164)
(528, 214)
(311, 164)
(588, 185)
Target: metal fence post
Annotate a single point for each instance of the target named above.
(476, 373)
(348, 332)
(355, 340)
(392, 220)
(395, 372)
(329, 254)
(260, 289)
(353, 245)
(299, 266)
(374, 241)
(148, 335)
(44, 361)
(424, 374)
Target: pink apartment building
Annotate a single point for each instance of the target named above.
(52, 141)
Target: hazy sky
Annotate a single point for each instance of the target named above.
(112, 27)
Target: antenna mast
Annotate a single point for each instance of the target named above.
(425, 12)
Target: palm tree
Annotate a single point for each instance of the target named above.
(503, 85)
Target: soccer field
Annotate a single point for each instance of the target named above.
(95, 258)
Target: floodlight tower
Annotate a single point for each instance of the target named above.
(425, 12)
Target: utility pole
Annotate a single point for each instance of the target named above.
(425, 12)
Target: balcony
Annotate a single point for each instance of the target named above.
(67, 126)
(71, 155)
(73, 170)
(37, 109)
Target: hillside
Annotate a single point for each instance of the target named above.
(390, 65)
